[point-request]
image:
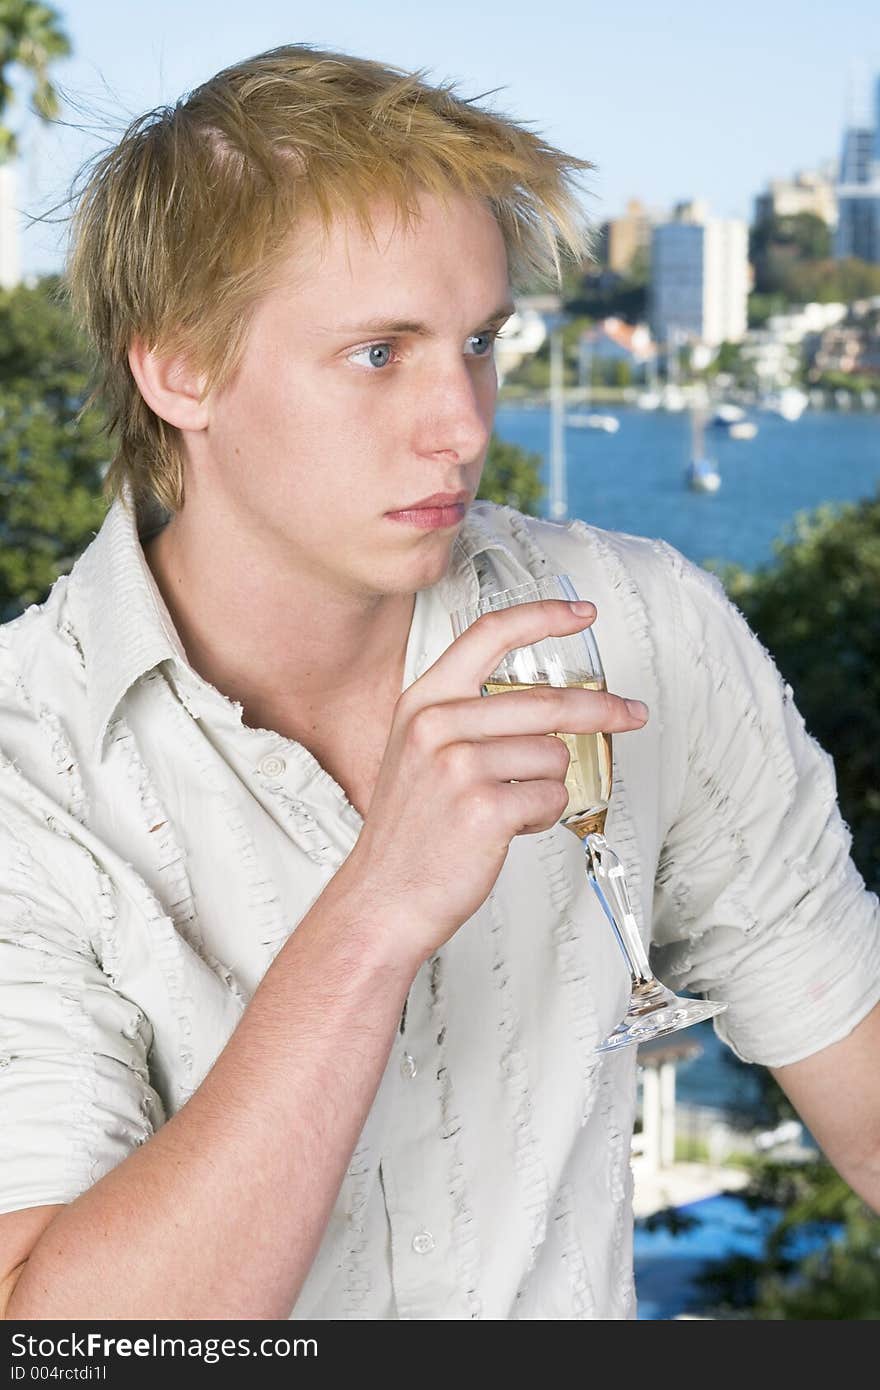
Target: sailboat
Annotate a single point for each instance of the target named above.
(790, 402)
(672, 397)
(588, 419)
(702, 472)
(732, 418)
(650, 398)
(591, 420)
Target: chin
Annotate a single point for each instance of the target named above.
(421, 570)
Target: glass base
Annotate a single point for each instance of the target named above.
(655, 1011)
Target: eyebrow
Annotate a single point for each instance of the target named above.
(415, 327)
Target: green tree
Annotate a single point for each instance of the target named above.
(808, 235)
(605, 295)
(52, 456)
(762, 306)
(729, 361)
(620, 373)
(511, 476)
(31, 37)
(793, 265)
(832, 282)
(835, 1279)
(778, 244)
(38, 339)
(817, 611)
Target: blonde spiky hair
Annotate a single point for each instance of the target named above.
(181, 227)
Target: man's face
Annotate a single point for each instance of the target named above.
(329, 424)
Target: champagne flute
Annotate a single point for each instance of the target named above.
(653, 1009)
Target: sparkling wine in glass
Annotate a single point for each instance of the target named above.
(653, 1009)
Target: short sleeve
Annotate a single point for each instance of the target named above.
(75, 1093)
(757, 901)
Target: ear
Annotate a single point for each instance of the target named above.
(170, 387)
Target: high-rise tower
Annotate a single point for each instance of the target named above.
(858, 191)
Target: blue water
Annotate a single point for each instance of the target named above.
(634, 480)
(667, 1264)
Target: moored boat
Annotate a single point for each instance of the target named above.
(743, 429)
(790, 402)
(702, 473)
(592, 420)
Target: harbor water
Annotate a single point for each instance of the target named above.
(633, 480)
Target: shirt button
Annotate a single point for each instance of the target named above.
(423, 1242)
(272, 766)
(408, 1066)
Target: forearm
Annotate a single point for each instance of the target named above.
(837, 1095)
(864, 1178)
(221, 1212)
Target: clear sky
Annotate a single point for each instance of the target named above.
(670, 101)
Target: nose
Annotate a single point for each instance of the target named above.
(456, 407)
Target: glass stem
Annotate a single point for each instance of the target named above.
(606, 874)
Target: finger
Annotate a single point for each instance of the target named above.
(472, 657)
(540, 709)
(540, 757)
(531, 806)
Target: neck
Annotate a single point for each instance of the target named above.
(282, 642)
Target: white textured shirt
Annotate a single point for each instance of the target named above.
(156, 852)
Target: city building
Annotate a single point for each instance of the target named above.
(700, 277)
(778, 351)
(774, 361)
(808, 191)
(839, 350)
(613, 340)
(857, 154)
(626, 236)
(858, 192)
(524, 332)
(851, 346)
(10, 244)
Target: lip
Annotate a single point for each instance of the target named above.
(430, 518)
(437, 499)
(441, 509)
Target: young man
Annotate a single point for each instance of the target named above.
(300, 978)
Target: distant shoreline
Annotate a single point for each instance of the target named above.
(626, 397)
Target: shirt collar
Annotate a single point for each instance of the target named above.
(122, 621)
(125, 628)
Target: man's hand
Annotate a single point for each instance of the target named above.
(462, 775)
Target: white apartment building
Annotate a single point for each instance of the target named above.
(524, 332)
(699, 278)
(10, 245)
(808, 191)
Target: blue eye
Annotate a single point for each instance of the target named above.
(381, 355)
(375, 351)
(489, 339)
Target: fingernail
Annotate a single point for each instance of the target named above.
(582, 607)
(637, 709)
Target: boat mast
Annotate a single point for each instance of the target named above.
(558, 484)
(672, 362)
(585, 362)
